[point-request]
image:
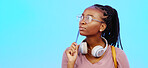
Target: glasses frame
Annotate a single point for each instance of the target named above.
(81, 17)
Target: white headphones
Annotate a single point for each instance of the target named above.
(97, 51)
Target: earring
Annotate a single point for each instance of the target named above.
(101, 30)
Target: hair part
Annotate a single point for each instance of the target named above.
(112, 31)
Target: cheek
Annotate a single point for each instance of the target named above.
(93, 30)
(90, 30)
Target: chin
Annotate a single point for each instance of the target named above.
(84, 34)
(87, 34)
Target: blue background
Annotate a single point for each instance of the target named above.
(35, 33)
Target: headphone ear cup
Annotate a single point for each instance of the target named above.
(97, 51)
(83, 48)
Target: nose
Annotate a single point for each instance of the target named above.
(82, 22)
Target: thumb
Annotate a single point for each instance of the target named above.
(77, 47)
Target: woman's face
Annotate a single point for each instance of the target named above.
(93, 27)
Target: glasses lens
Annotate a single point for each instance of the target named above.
(79, 18)
(88, 19)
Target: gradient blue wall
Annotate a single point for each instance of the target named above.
(35, 33)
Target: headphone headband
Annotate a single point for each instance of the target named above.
(97, 51)
(105, 43)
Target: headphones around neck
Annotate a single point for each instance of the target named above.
(97, 51)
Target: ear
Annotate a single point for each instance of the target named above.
(102, 27)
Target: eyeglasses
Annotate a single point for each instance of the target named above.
(88, 19)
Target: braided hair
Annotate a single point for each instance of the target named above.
(112, 31)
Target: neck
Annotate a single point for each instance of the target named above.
(95, 40)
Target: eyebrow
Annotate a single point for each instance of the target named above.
(88, 15)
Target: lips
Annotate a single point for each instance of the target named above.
(81, 28)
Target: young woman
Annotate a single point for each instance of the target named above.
(100, 25)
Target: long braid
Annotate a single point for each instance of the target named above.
(112, 31)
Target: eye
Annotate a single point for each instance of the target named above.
(89, 18)
(81, 17)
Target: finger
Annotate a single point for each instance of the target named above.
(77, 46)
(77, 49)
(73, 50)
(75, 43)
(73, 46)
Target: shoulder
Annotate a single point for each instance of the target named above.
(119, 51)
(121, 58)
(120, 54)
